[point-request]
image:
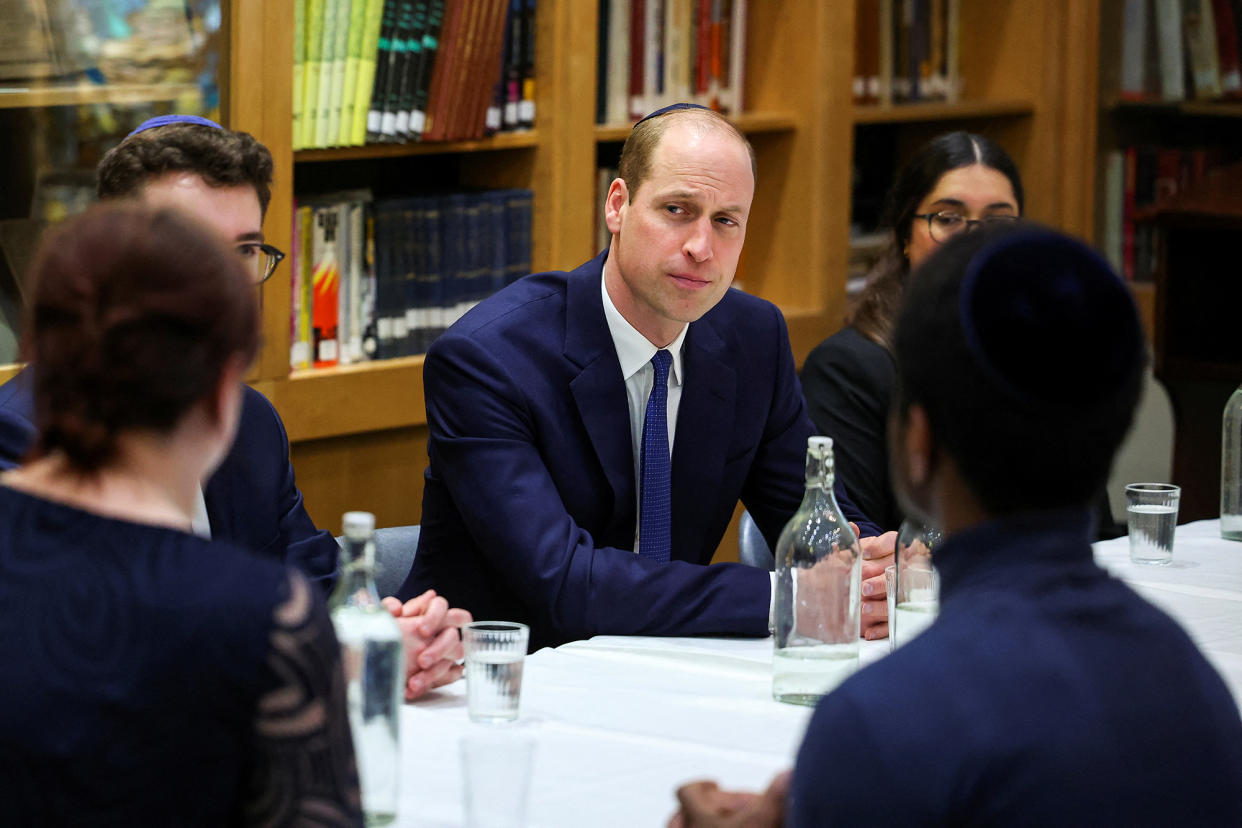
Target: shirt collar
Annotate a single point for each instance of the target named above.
(633, 349)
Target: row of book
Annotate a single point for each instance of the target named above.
(1174, 50)
(1138, 182)
(656, 52)
(907, 51)
(381, 279)
(377, 71)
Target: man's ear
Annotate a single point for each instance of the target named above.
(615, 205)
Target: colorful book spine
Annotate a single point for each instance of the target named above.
(353, 65)
(326, 279)
(313, 71)
(367, 71)
(385, 65)
(299, 69)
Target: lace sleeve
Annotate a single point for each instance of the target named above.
(303, 768)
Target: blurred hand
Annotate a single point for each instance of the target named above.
(877, 553)
(704, 805)
(432, 643)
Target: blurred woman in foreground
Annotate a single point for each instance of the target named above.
(152, 676)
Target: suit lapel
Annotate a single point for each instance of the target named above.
(704, 424)
(599, 390)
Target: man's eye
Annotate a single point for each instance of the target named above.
(248, 251)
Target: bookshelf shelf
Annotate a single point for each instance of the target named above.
(84, 94)
(349, 399)
(751, 123)
(503, 141)
(1176, 109)
(921, 112)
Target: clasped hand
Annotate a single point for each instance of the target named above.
(433, 651)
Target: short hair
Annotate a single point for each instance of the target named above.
(134, 314)
(644, 138)
(878, 303)
(1026, 351)
(221, 157)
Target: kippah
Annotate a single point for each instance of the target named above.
(165, 120)
(1046, 318)
(664, 110)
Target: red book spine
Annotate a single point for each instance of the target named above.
(1227, 49)
(638, 41)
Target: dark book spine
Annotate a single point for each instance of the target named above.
(526, 109)
(413, 57)
(384, 67)
(513, 66)
(426, 63)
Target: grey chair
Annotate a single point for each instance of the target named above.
(394, 555)
(752, 549)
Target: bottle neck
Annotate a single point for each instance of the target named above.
(819, 471)
(356, 584)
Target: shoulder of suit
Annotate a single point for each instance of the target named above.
(518, 303)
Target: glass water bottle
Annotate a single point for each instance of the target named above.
(374, 666)
(818, 570)
(1231, 469)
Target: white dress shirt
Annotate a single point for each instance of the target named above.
(634, 351)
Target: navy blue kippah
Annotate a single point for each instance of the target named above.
(165, 120)
(664, 110)
(1046, 318)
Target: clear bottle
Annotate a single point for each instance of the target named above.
(818, 570)
(374, 665)
(916, 599)
(1231, 469)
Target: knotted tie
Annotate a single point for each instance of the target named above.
(655, 516)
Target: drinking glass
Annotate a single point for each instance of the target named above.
(495, 651)
(1151, 515)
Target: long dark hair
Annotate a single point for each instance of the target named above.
(877, 306)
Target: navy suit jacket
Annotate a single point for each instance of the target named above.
(530, 501)
(252, 499)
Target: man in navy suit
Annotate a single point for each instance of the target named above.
(224, 179)
(534, 507)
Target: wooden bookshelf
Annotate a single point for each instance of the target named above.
(359, 434)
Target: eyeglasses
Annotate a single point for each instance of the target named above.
(260, 258)
(946, 224)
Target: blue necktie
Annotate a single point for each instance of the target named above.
(655, 520)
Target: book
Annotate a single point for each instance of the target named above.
(1227, 48)
(618, 49)
(367, 70)
(526, 106)
(402, 32)
(340, 56)
(407, 93)
(1200, 32)
(1134, 86)
(326, 279)
(301, 295)
(638, 44)
(1168, 15)
(313, 71)
(442, 69)
(427, 58)
(353, 65)
(331, 9)
(299, 69)
(385, 65)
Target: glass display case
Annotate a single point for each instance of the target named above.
(76, 76)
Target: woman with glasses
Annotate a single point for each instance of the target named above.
(954, 183)
(152, 676)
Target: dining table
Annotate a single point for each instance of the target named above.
(617, 723)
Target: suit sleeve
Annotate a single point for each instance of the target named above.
(313, 551)
(484, 446)
(776, 482)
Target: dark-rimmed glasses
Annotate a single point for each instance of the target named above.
(260, 258)
(946, 224)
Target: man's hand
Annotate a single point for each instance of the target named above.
(704, 805)
(432, 644)
(877, 553)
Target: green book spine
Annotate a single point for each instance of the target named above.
(299, 68)
(364, 79)
(340, 59)
(328, 43)
(313, 71)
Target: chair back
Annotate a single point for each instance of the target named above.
(394, 555)
(752, 549)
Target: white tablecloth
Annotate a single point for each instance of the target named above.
(618, 723)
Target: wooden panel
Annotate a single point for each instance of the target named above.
(380, 472)
(351, 399)
(901, 113)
